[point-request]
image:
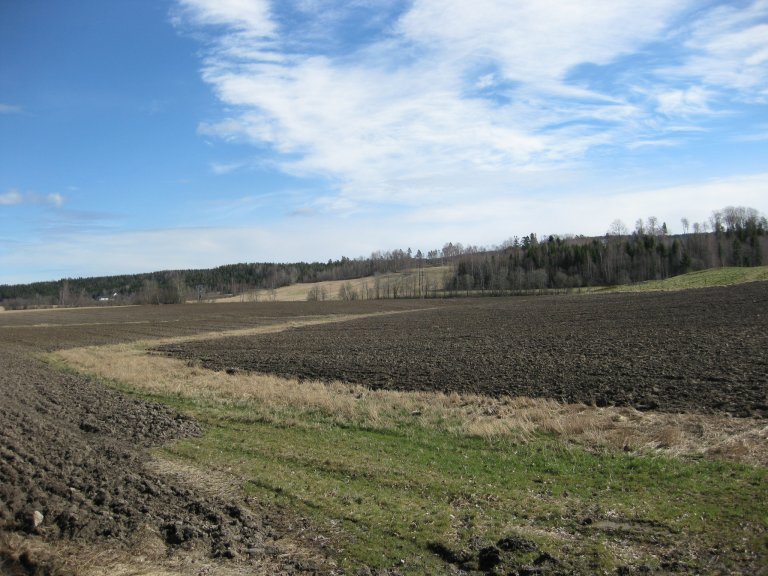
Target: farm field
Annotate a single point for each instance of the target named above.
(679, 352)
(49, 329)
(75, 450)
(607, 433)
(431, 276)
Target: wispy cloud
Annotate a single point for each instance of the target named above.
(14, 198)
(450, 97)
(537, 43)
(727, 50)
(9, 109)
(226, 167)
(249, 16)
(753, 137)
(55, 199)
(684, 102)
(11, 198)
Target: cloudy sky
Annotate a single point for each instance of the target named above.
(138, 135)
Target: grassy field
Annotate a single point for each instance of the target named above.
(701, 279)
(397, 498)
(299, 292)
(435, 276)
(426, 483)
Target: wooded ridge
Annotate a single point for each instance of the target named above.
(734, 236)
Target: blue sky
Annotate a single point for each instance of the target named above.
(138, 135)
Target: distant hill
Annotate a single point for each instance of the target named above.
(411, 283)
(531, 263)
(701, 279)
(175, 286)
(736, 238)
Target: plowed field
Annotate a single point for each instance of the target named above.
(697, 350)
(75, 465)
(73, 453)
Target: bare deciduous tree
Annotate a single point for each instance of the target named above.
(347, 292)
(653, 225)
(617, 228)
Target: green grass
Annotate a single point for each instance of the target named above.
(409, 492)
(709, 278)
(701, 279)
(394, 498)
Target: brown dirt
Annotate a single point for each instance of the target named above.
(75, 465)
(77, 452)
(46, 330)
(693, 351)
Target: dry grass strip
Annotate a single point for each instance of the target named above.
(509, 419)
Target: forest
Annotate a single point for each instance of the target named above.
(175, 286)
(733, 236)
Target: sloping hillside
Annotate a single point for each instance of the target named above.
(701, 279)
(405, 283)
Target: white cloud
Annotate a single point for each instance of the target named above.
(250, 16)
(11, 198)
(14, 198)
(460, 98)
(55, 199)
(591, 213)
(221, 168)
(9, 109)
(684, 102)
(754, 137)
(541, 41)
(728, 50)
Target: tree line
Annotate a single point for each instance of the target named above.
(174, 286)
(733, 236)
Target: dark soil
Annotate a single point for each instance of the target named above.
(692, 351)
(74, 453)
(45, 330)
(73, 467)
